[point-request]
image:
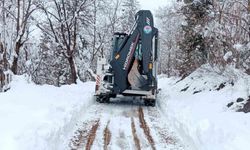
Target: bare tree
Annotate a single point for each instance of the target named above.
(169, 20)
(21, 14)
(231, 29)
(3, 49)
(62, 26)
(106, 19)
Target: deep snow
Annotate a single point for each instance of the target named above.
(203, 119)
(41, 117)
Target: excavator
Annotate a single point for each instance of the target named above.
(132, 67)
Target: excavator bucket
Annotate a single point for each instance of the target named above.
(135, 79)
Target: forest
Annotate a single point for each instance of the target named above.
(58, 41)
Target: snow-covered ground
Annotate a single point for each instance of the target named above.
(190, 114)
(130, 126)
(197, 108)
(41, 117)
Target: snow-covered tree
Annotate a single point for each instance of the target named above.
(108, 16)
(74, 34)
(62, 27)
(17, 14)
(169, 21)
(4, 63)
(129, 9)
(228, 31)
(15, 19)
(196, 14)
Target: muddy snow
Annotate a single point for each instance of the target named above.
(124, 123)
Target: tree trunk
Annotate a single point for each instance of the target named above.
(72, 69)
(14, 65)
(15, 61)
(94, 33)
(18, 44)
(248, 19)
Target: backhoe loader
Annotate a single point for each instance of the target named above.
(132, 67)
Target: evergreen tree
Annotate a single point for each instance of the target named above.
(193, 45)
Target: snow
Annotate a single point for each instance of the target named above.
(117, 116)
(203, 119)
(238, 47)
(248, 45)
(227, 55)
(41, 117)
(45, 117)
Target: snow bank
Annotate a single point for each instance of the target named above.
(41, 117)
(197, 107)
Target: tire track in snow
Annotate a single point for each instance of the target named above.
(107, 136)
(145, 128)
(81, 135)
(92, 135)
(126, 124)
(136, 139)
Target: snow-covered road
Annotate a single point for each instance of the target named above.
(197, 118)
(125, 123)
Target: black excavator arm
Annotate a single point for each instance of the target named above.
(142, 37)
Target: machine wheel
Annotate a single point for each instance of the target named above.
(97, 98)
(106, 99)
(103, 99)
(153, 103)
(149, 102)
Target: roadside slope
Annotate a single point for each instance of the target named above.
(197, 108)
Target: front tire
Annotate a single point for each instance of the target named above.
(103, 99)
(149, 102)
